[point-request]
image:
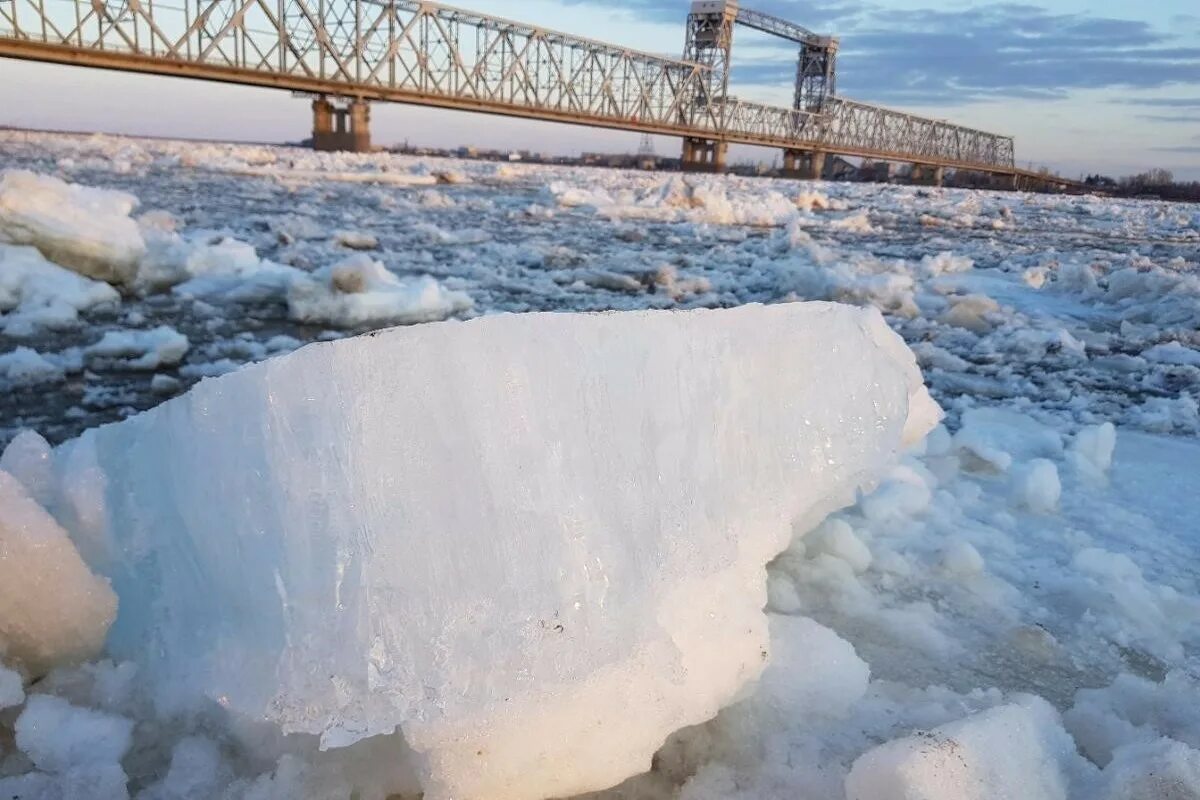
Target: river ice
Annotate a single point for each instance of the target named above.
(1015, 607)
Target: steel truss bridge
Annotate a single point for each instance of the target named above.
(408, 51)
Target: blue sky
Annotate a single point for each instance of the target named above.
(1083, 85)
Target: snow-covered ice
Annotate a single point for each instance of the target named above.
(82, 228)
(1042, 543)
(360, 291)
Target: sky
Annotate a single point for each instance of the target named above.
(1083, 85)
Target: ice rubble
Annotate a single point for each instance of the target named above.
(36, 295)
(85, 229)
(487, 488)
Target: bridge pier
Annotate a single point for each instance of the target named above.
(928, 175)
(803, 164)
(341, 128)
(704, 155)
(877, 171)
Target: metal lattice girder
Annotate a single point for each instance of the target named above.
(418, 52)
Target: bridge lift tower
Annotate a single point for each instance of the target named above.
(710, 43)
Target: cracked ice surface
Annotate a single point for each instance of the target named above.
(502, 536)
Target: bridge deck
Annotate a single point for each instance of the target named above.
(422, 53)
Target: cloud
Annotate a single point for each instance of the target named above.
(1185, 148)
(1185, 118)
(1163, 102)
(998, 51)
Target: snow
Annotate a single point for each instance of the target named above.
(36, 295)
(570, 638)
(360, 291)
(85, 229)
(52, 608)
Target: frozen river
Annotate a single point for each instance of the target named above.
(1011, 608)
(1066, 305)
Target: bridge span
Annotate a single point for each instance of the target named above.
(347, 53)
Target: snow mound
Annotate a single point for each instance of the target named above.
(84, 229)
(37, 295)
(361, 291)
(52, 608)
(497, 536)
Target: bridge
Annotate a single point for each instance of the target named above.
(347, 53)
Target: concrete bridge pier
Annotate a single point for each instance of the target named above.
(704, 155)
(928, 175)
(341, 128)
(803, 164)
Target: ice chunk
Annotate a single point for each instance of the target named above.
(959, 557)
(1134, 710)
(360, 291)
(226, 269)
(1091, 451)
(499, 536)
(25, 367)
(356, 240)
(197, 771)
(52, 608)
(142, 350)
(12, 689)
(993, 437)
(837, 538)
(36, 294)
(812, 671)
(1173, 353)
(84, 229)
(1015, 750)
(58, 736)
(105, 781)
(1160, 770)
(1036, 486)
(29, 459)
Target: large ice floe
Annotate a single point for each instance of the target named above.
(532, 544)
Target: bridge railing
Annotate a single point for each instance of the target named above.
(402, 46)
(849, 123)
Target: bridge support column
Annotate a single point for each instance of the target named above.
(345, 128)
(928, 175)
(803, 164)
(877, 171)
(704, 155)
